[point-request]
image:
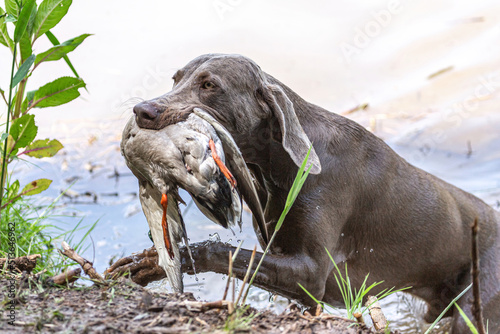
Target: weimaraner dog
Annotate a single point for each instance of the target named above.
(364, 203)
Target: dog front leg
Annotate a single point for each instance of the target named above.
(278, 273)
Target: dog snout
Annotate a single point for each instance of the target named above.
(146, 111)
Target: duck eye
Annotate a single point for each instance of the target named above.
(208, 85)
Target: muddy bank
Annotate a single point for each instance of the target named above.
(126, 307)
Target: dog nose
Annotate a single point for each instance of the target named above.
(146, 110)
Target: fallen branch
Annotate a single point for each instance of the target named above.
(86, 265)
(23, 263)
(378, 318)
(476, 307)
(68, 276)
(199, 306)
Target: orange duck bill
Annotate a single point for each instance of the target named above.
(164, 225)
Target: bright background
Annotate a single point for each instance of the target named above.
(429, 72)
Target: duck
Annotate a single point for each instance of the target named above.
(200, 156)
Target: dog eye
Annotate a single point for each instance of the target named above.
(208, 85)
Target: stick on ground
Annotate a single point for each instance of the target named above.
(23, 263)
(378, 318)
(85, 264)
(68, 276)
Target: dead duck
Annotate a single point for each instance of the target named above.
(192, 155)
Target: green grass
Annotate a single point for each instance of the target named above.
(469, 323)
(35, 234)
(352, 297)
(239, 320)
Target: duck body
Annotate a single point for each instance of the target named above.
(179, 155)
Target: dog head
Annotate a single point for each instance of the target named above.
(247, 101)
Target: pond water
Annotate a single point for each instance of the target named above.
(429, 74)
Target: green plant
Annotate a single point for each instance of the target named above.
(20, 224)
(239, 320)
(30, 23)
(353, 298)
(36, 236)
(469, 323)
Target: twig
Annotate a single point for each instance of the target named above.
(85, 264)
(378, 318)
(23, 263)
(476, 307)
(229, 275)
(356, 108)
(318, 311)
(198, 306)
(233, 293)
(359, 317)
(469, 149)
(69, 276)
(247, 274)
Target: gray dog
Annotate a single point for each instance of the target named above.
(363, 202)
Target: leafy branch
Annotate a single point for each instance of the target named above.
(30, 22)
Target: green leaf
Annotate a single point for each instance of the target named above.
(23, 19)
(54, 41)
(4, 136)
(57, 92)
(30, 95)
(28, 100)
(43, 148)
(23, 71)
(4, 35)
(10, 18)
(23, 131)
(25, 46)
(25, 42)
(13, 189)
(59, 51)
(36, 187)
(11, 7)
(50, 12)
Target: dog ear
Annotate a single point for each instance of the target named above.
(294, 139)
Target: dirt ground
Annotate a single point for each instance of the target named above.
(126, 307)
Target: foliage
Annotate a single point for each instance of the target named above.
(30, 22)
(353, 298)
(35, 236)
(469, 323)
(239, 321)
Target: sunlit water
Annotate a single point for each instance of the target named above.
(428, 72)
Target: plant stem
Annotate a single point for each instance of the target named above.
(9, 107)
(19, 98)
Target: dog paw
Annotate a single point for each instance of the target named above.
(142, 268)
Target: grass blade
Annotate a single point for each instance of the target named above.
(446, 309)
(55, 42)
